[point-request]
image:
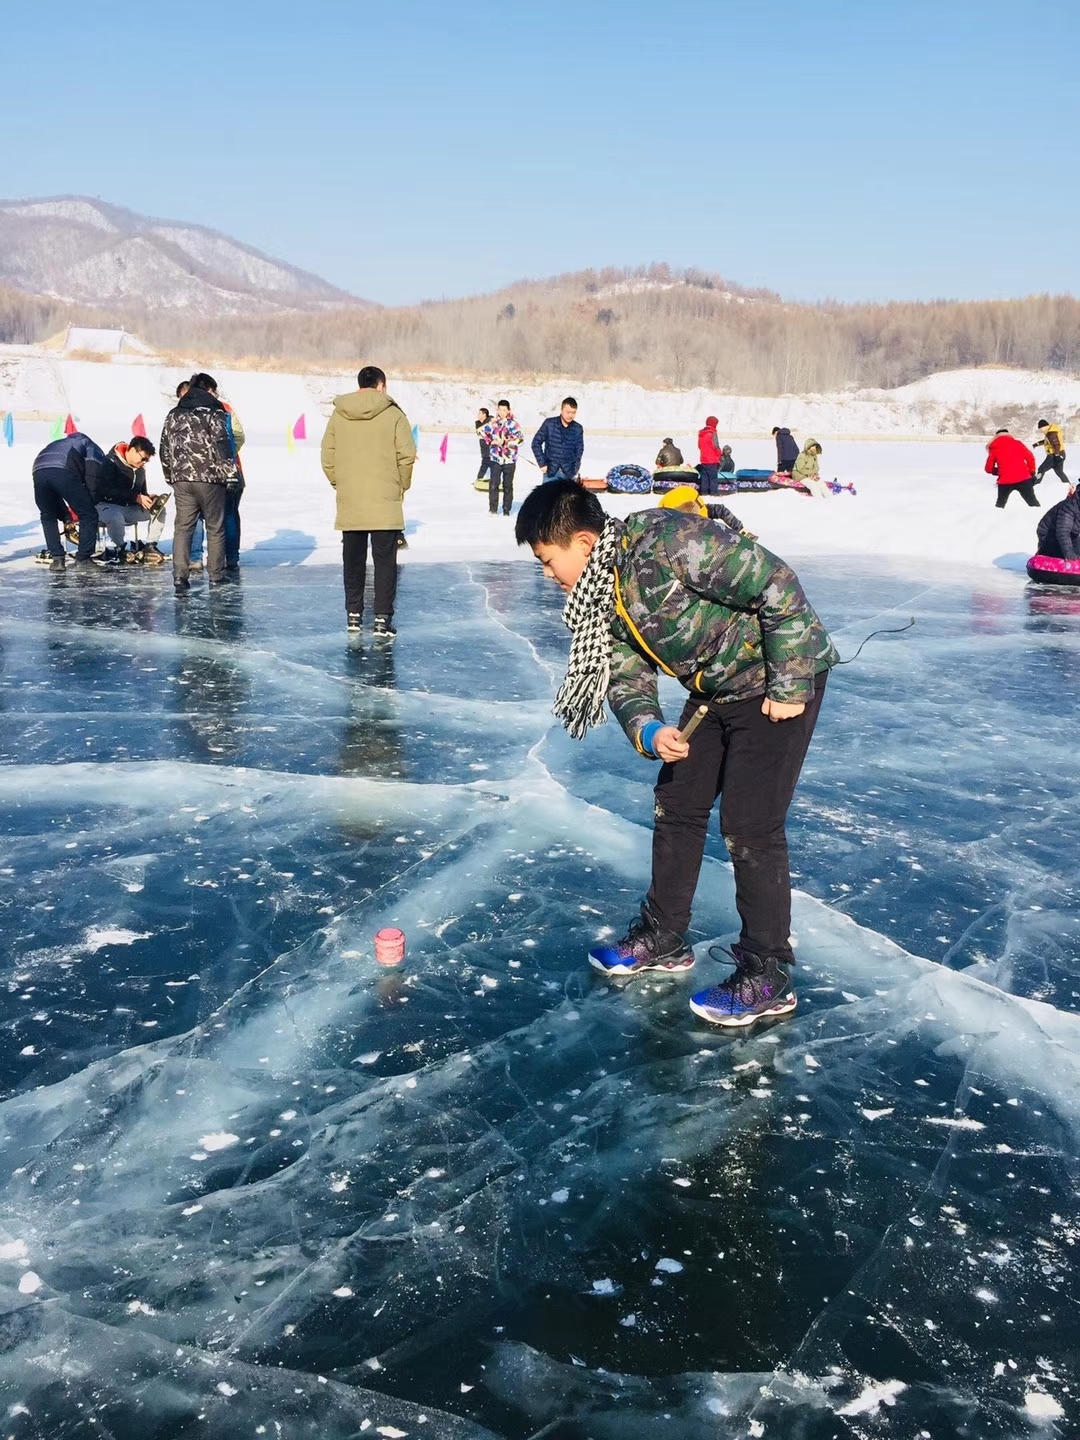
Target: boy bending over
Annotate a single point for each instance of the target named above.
(676, 592)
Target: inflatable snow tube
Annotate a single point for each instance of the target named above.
(665, 480)
(1049, 570)
(629, 480)
(593, 484)
(754, 474)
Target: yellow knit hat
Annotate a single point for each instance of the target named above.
(683, 497)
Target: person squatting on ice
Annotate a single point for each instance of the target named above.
(677, 592)
(368, 456)
(63, 474)
(503, 437)
(1053, 442)
(120, 495)
(1013, 464)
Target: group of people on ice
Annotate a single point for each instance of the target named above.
(716, 472)
(558, 447)
(80, 488)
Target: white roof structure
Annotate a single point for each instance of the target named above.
(103, 342)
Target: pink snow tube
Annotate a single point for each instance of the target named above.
(1048, 570)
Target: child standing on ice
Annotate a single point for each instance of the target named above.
(672, 591)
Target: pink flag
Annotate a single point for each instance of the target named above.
(70, 428)
(299, 430)
(138, 426)
(443, 448)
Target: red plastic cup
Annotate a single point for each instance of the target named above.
(390, 946)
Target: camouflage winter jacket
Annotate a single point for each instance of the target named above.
(196, 443)
(720, 613)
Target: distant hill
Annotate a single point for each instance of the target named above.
(190, 291)
(84, 251)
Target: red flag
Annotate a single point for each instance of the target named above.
(138, 426)
(299, 430)
(70, 428)
(443, 448)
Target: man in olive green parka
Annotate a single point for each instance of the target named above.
(368, 455)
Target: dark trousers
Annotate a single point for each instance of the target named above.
(708, 474)
(54, 492)
(232, 524)
(194, 498)
(1026, 488)
(384, 548)
(485, 459)
(501, 475)
(753, 764)
(1055, 463)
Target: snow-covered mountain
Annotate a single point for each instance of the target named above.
(85, 250)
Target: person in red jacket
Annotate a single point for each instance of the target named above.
(1013, 464)
(709, 455)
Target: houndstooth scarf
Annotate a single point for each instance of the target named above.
(587, 613)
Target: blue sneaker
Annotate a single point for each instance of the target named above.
(645, 946)
(759, 988)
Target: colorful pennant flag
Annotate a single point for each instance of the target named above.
(70, 428)
(290, 443)
(299, 430)
(416, 437)
(9, 429)
(57, 431)
(138, 426)
(443, 448)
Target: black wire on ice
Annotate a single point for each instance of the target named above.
(871, 636)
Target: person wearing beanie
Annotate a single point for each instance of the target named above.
(1013, 465)
(1053, 442)
(709, 455)
(670, 457)
(687, 499)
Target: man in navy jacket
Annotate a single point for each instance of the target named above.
(559, 444)
(63, 474)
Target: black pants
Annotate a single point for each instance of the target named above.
(707, 474)
(54, 492)
(485, 459)
(753, 764)
(1055, 463)
(501, 475)
(1026, 488)
(195, 498)
(354, 546)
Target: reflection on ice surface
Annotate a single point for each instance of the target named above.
(251, 1181)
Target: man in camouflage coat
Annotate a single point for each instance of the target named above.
(198, 459)
(675, 592)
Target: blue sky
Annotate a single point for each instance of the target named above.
(412, 149)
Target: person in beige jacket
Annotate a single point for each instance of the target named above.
(368, 455)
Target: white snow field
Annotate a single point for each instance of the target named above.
(255, 1185)
(918, 496)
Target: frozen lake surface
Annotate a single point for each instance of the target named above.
(254, 1185)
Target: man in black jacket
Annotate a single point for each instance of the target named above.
(1059, 529)
(198, 461)
(63, 473)
(787, 449)
(121, 498)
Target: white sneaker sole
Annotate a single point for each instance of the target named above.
(624, 970)
(733, 1022)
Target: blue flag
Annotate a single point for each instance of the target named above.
(9, 429)
(416, 436)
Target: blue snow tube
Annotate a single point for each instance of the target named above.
(753, 474)
(629, 479)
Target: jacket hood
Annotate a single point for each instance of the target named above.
(812, 444)
(362, 404)
(197, 399)
(711, 422)
(783, 430)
